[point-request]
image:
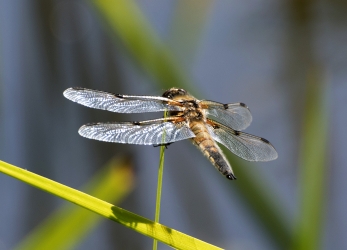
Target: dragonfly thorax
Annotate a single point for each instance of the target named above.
(192, 110)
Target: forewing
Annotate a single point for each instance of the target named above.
(246, 146)
(120, 103)
(234, 115)
(144, 133)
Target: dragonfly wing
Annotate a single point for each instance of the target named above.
(120, 103)
(246, 146)
(144, 133)
(234, 115)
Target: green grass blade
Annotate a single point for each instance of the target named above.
(127, 21)
(313, 165)
(188, 16)
(66, 227)
(133, 221)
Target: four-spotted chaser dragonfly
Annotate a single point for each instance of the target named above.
(203, 122)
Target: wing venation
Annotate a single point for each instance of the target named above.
(246, 146)
(119, 103)
(143, 133)
(234, 115)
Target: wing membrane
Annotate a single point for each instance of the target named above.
(246, 146)
(234, 115)
(119, 103)
(143, 133)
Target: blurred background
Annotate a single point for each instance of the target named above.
(285, 59)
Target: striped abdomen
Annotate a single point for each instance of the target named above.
(210, 149)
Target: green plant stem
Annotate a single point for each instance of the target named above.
(159, 187)
(160, 182)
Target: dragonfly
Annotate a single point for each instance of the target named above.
(203, 122)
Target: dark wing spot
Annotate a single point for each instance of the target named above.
(243, 105)
(226, 106)
(237, 132)
(136, 123)
(118, 95)
(264, 140)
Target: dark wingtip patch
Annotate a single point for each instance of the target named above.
(136, 123)
(243, 105)
(231, 177)
(264, 140)
(237, 132)
(118, 95)
(226, 106)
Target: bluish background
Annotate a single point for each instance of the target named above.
(256, 52)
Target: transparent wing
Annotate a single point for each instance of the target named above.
(246, 146)
(120, 103)
(144, 133)
(234, 115)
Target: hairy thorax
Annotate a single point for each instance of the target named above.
(191, 111)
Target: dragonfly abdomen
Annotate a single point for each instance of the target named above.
(210, 149)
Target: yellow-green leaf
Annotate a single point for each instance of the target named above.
(133, 221)
(65, 228)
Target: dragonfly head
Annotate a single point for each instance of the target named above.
(174, 92)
